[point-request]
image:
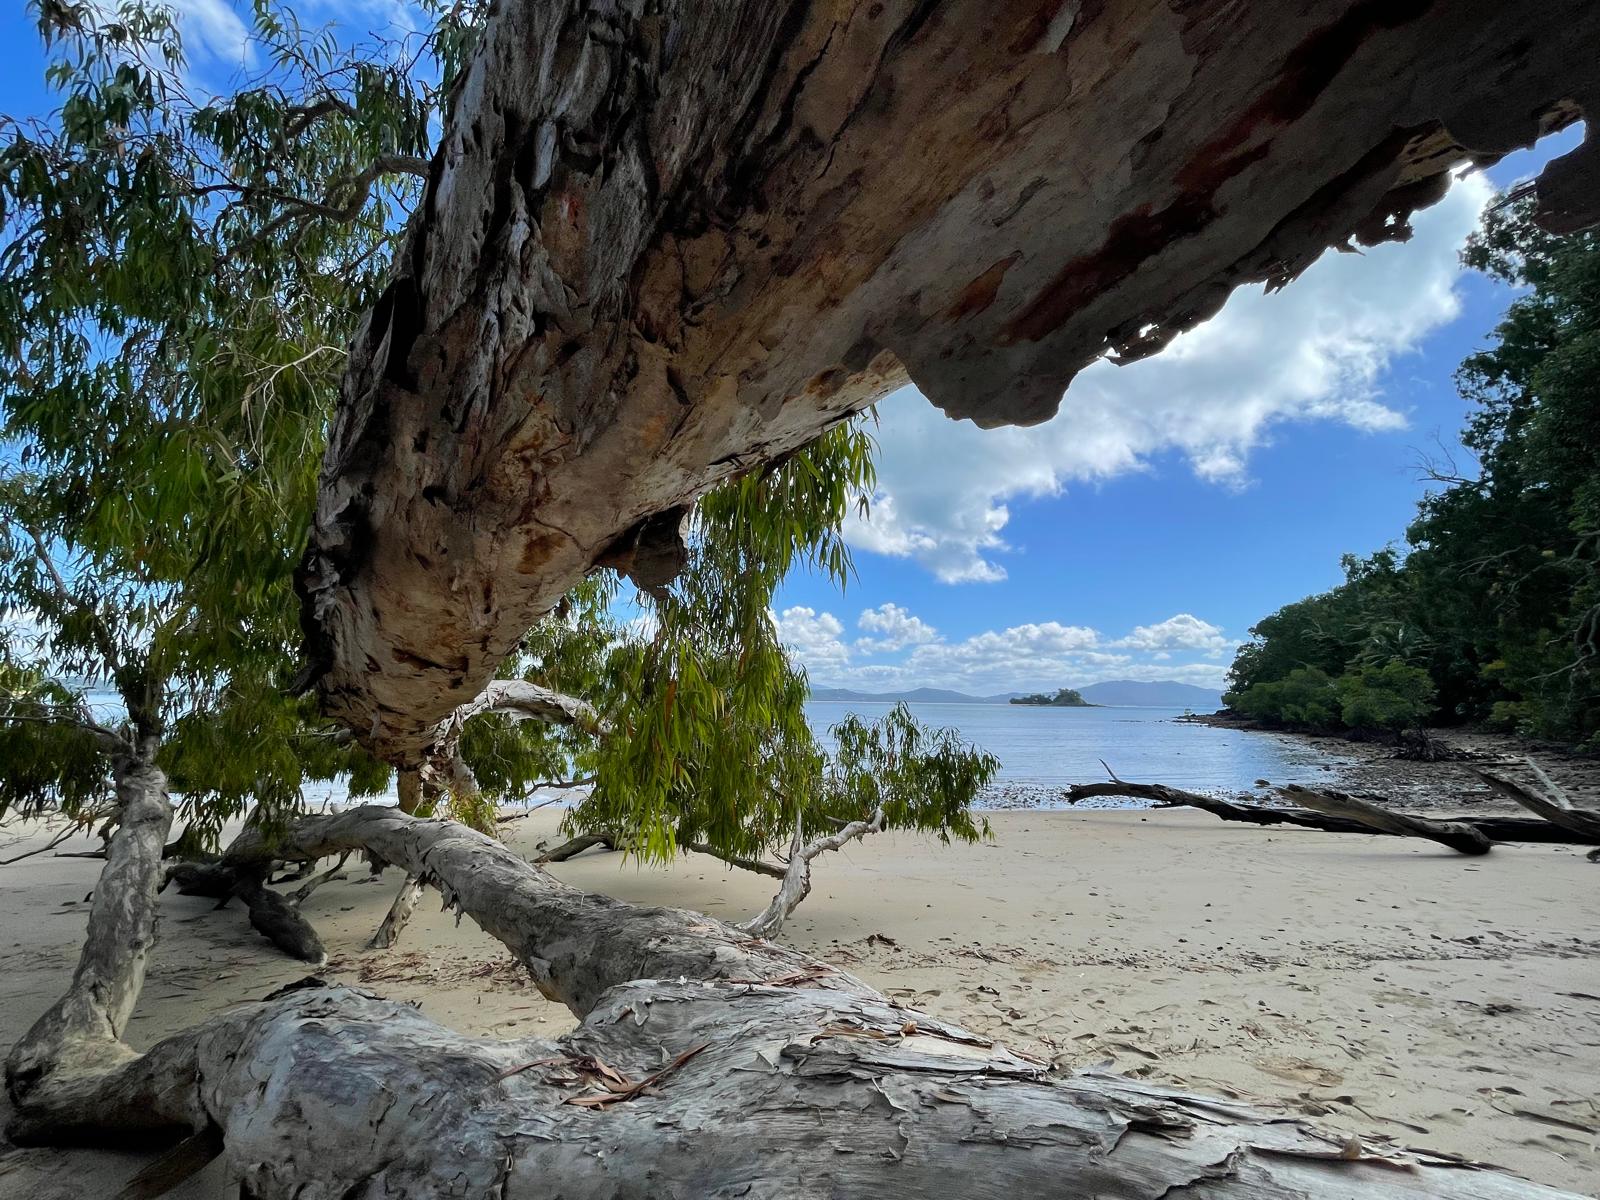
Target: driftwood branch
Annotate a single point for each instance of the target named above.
(575, 846)
(1495, 828)
(272, 914)
(1457, 835)
(1551, 803)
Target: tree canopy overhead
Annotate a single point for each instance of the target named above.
(662, 243)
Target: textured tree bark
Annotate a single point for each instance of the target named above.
(1458, 835)
(664, 243)
(408, 788)
(707, 1063)
(83, 1030)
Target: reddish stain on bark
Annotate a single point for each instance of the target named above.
(980, 293)
(1134, 237)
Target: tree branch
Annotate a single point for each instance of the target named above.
(1455, 834)
(796, 884)
(1552, 804)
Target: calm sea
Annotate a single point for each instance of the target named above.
(1042, 750)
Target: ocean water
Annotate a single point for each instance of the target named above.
(1042, 750)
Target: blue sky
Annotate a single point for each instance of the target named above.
(1168, 507)
(1173, 503)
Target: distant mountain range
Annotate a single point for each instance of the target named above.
(1113, 693)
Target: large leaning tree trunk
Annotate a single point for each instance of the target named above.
(662, 243)
(707, 1063)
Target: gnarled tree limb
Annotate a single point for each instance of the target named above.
(796, 884)
(1497, 829)
(83, 1030)
(663, 244)
(1551, 803)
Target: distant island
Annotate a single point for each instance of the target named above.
(1063, 698)
(1112, 693)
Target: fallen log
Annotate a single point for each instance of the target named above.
(272, 914)
(1495, 828)
(1457, 835)
(1552, 803)
(1171, 797)
(573, 847)
(707, 1062)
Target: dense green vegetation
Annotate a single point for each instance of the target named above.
(179, 277)
(1062, 698)
(1492, 614)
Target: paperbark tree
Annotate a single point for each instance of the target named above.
(661, 243)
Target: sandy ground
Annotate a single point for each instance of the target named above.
(1386, 988)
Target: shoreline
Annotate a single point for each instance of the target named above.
(1446, 785)
(1382, 987)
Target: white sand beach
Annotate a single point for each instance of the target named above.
(1383, 987)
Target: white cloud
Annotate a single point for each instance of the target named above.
(812, 637)
(213, 29)
(1045, 654)
(1182, 632)
(896, 628)
(1314, 352)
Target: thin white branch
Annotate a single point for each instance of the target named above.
(796, 885)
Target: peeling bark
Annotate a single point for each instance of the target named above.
(707, 1063)
(663, 244)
